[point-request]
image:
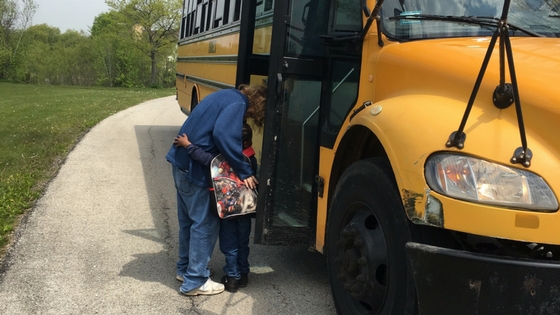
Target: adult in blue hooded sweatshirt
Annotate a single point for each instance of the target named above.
(215, 126)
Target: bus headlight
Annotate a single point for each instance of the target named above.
(473, 179)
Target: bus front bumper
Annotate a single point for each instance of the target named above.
(459, 282)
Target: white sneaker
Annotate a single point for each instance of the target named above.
(209, 288)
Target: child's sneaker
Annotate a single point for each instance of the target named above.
(209, 288)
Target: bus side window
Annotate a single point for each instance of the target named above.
(204, 7)
(198, 18)
(192, 16)
(264, 6)
(235, 10)
(226, 12)
(208, 15)
(268, 5)
(189, 14)
(231, 10)
(183, 32)
(219, 13)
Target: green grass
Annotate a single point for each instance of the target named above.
(40, 125)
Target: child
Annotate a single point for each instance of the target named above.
(234, 232)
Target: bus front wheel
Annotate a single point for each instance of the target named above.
(365, 243)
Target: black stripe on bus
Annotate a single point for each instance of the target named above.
(209, 59)
(209, 83)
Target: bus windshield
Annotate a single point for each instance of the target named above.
(423, 19)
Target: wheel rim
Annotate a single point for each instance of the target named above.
(363, 260)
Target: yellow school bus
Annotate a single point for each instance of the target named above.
(209, 45)
(413, 142)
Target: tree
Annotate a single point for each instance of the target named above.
(8, 16)
(118, 63)
(49, 57)
(26, 16)
(39, 62)
(13, 22)
(154, 26)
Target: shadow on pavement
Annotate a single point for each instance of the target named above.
(281, 277)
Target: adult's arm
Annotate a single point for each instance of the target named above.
(227, 136)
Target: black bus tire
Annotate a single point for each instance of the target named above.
(194, 99)
(367, 230)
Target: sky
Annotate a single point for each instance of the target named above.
(69, 14)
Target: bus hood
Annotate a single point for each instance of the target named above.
(450, 67)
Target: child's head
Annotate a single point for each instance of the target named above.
(257, 102)
(247, 136)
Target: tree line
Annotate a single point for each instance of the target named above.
(131, 45)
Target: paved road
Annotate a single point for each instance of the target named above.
(102, 239)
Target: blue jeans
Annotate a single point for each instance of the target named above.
(234, 244)
(198, 231)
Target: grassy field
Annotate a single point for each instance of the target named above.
(40, 125)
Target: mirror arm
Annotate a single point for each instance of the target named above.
(371, 17)
(365, 8)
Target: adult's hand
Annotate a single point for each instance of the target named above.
(251, 182)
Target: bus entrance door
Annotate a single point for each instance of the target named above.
(291, 137)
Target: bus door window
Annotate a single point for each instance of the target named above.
(298, 145)
(297, 155)
(343, 94)
(308, 22)
(343, 60)
(347, 18)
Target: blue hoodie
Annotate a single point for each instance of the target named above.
(215, 126)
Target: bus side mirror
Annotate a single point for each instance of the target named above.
(305, 13)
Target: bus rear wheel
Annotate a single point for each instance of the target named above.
(365, 243)
(194, 99)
